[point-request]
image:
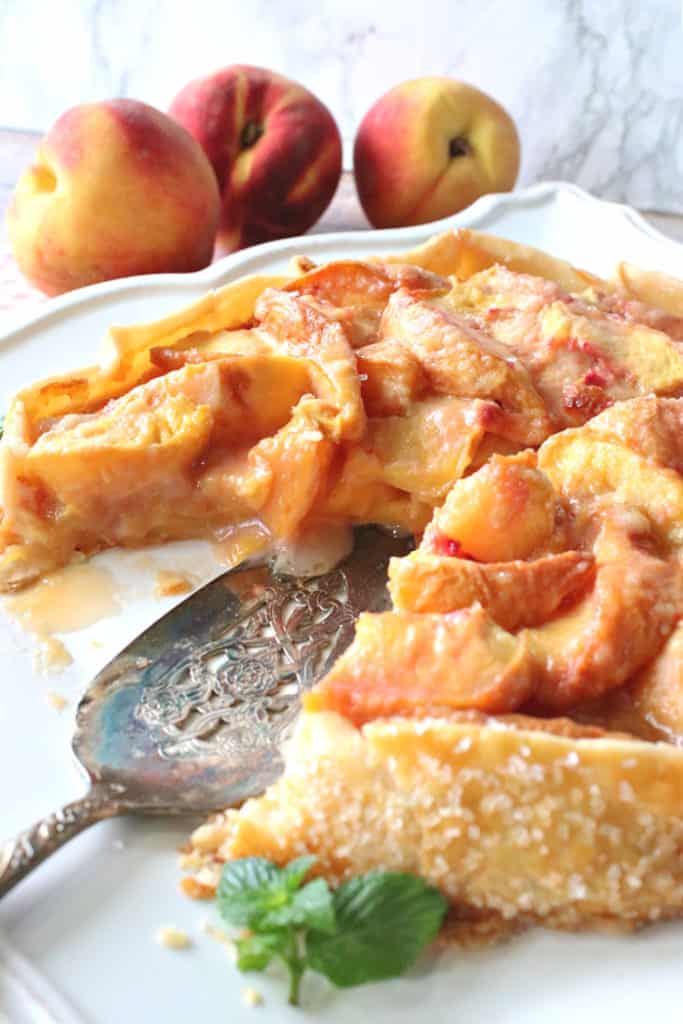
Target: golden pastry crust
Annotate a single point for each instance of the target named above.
(515, 819)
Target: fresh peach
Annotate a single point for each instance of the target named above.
(274, 146)
(429, 148)
(117, 188)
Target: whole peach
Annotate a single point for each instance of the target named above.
(429, 148)
(117, 188)
(274, 146)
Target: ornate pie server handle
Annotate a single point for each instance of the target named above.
(23, 853)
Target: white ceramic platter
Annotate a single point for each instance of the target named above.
(80, 931)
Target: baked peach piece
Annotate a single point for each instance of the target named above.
(504, 511)
(620, 624)
(461, 360)
(582, 351)
(515, 594)
(402, 663)
(657, 693)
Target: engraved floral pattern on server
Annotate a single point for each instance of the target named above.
(240, 690)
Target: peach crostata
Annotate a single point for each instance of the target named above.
(512, 729)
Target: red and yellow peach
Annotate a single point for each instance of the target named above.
(117, 188)
(429, 148)
(275, 149)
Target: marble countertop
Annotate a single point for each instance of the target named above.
(596, 88)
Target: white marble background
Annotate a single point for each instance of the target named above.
(596, 86)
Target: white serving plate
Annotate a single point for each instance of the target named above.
(81, 928)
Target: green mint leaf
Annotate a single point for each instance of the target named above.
(384, 921)
(255, 952)
(248, 889)
(295, 872)
(310, 907)
(2, 426)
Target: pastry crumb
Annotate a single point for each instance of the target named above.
(196, 890)
(56, 700)
(169, 584)
(215, 932)
(220, 935)
(173, 938)
(252, 997)
(52, 656)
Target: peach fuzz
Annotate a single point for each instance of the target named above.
(275, 149)
(429, 148)
(116, 189)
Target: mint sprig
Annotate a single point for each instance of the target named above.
(383, 922)
(2, 426)
(371, 928)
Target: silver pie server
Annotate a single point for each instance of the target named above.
(192, 715)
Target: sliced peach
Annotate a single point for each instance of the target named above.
(391, 378)
(360, 494)
(358, 290)
(501, 291)
(650, 426)
(425, 451)
(405, 664)
(515, 594)
(657, 692)
(504, 511)
(636, 359)
(617, 628)
(304, 327)
(296, 461)
(364, 289)
(462, 361)
(583, 466)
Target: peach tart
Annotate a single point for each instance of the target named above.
(512, 730)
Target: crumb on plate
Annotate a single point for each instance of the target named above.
(251, 997)
(196, 890)
(172, 938)
(169, 584)
(56, 700)
(219, 934)
(51, 656)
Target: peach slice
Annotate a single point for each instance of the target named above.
(426, 450)
(391, 378)
(295, 461)
(515, 594)
(359, 493)
(583, 466)
(302, 326)
(618, 627)
(405, 664)
(363, 289)
(462, 361)
(658, 691)
(650, 426)
(504, 511)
